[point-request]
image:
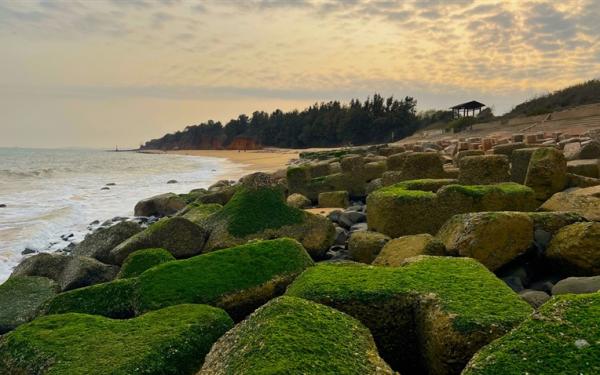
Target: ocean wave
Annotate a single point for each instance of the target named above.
(44, 172)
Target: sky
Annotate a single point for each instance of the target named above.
(95, 73)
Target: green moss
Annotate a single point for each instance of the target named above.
(479, 191)
(141, 260)
(198, 213)
(254, 210)
(174, 340)
(400, 191)
(294, 336)
(547, 342)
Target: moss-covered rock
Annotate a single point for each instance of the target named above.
(587, 168)
(577, 248)
(493, 238)
(561, 338)
(263, 214)
(414, 207)
(519, 162)
(141, 260)
(159, 205)
(295, 336)
(178, 235)
(507, 149)
(173, 340)
(20, 299)
(396, 251)
(417, 165)
(364, 246)
(99, 243)
(428, 316)
(585, 205)
(238, 279)
(197, 213)
(483, 170)
(547, 172)
(465, 153)
(551, 222)
(339, 199)
(298, 201)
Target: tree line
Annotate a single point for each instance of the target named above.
(326, 124)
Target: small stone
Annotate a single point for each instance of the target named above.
(349, 218)
(2, 205)
(535, 298)
(28, 251)
(581, 343)
(341, 236)
(95, 222)
(172, 182)
(111, 184)
(360, 227)
(105, 188)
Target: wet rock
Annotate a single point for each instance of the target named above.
(514, 282)
(365, 246)
(172, 182)
(360, 227)
(28, 251)
(105, 188)
(159, 205)
(341, 236)
(577, 285)
(98, 244)
(349, 218)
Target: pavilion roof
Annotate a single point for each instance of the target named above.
(469, 105)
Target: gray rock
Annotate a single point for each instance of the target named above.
(159, 205)
(111, 184)
(2, 205)
(542, 285)
(99, 243)
(577, 285)
(349, 218)
(514, 282)
(334, 216)
(341, 236)
(105, 188)
(172, 182)
(542, 238)
(535, 298)
(360, 227)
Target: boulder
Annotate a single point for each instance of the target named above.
(547, 172)
(293, 335)
(577, 285)
(173, 340)
(197, 213)
(493, 238)
(99, 243)
(263, 214)
(483, 170)
(421, 321)
(238, 280)
(576, 248)
(535, 298)
(519, 162)
(364, 246)
(339, 199)
(159, 205)
(298, 201)
(560, 338)
(178, 235)
(589, 150)
(141, 260)
(508, 148)
(587, 168)
(587, 206)
(464, 153)
(69, 272)
(581, 181)
(21, 298)
(396, 251)
(416, 165)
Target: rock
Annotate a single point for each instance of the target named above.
(341, 236)
(279, 334)
(99, 243)
(576, 247)
(514, 283)
(587, 168)
(219, 185)
(493, 238)
(179, 236)
(28, 251)
(584, 205)
(581, 181)
(519, 161)
(20, 299)
(69, 272)
(111, 184)
(551, 341)
(2, 205)
(105, 188)
(416, 165)
(508, 149)
(159, 205)
(542, 285)
(396, 251)
(483, 170)
(263, 214)
(220, 197)
(298, 201)
(334, 216)
(423, 206)
(83, 344)
(364, 246)
(535, 298)
(577, 285)
(589, 150)
(374, 185)
(349, 218)
(238, 280)
(547, 172)
(172, 182)
(360, 227)
(141, 260)
(334, 199)
(198, 213)
(464, 153)
(421, 322)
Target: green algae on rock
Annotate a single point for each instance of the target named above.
(561, 338)
(576, 247)
(197, 213)
(295, 336)
(173, 340)
(21, 297)
(396, 251)
(141, 260)
(430, 315)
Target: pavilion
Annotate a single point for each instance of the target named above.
(467, 109)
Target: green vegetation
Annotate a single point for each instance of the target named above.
(294, 336)
(197, 213)
(480, 191)
(562, 338)
(462, 123)
(141, 260)
(173, 340)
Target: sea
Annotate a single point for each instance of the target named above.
(50, 194)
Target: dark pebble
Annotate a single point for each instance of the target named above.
(95, 222)
(111, 184)
(105, 188)
(2, 205)
(28, 251)
(172, 182)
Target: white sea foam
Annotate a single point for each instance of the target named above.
(49, 193)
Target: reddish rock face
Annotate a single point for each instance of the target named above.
(244, 143)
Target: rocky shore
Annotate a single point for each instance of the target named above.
(459, 256)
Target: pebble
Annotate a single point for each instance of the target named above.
(581, 343)
(172, 182)
(360, 227)
(28, 251)
(95, 222)
(111, 184)
(2, 205)
(105, 188)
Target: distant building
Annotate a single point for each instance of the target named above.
(468, 109)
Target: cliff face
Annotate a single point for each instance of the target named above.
(244, 143)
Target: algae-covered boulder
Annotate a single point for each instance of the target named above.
(238, 279)
(586, 205)
(519, 161)
(262, 213)
(99, 243)
(339, 199)
(396, 251)
(178, 235)
(547, 172)
(493, 238)
(465, 153)
(298, 201)
(577, 248)
(20, 299)
(173, 340)
(586, 168)
(428, 316)
(69, 272)
(159, 205)
(197, 213)
(364, 246)
(561, 338)
(417, 165)
(483, 170)
(141, 260)
(295, 336)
